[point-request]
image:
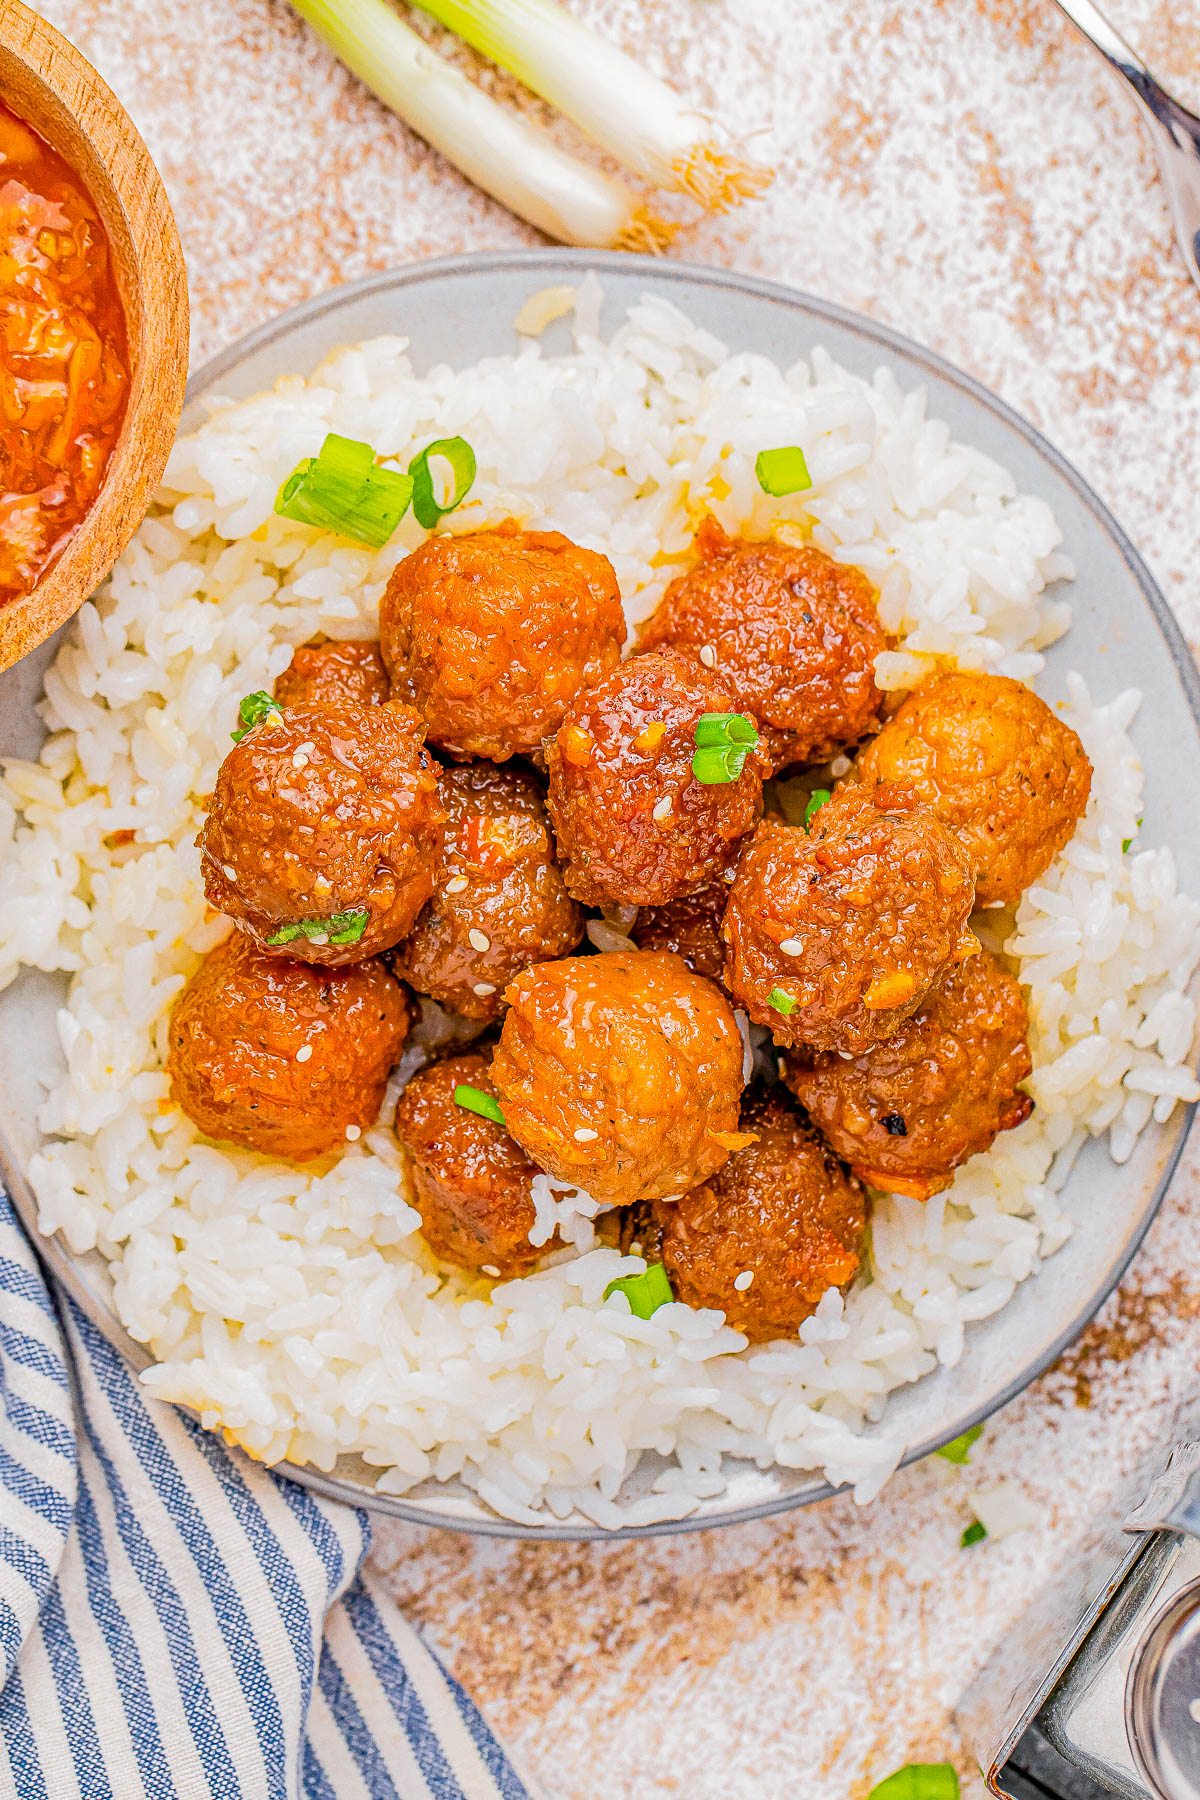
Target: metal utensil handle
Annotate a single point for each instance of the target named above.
(1173, 1502)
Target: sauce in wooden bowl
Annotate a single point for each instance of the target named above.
(64, 371)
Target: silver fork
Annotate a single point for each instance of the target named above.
(1174, 130)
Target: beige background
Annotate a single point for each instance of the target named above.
(963, 170)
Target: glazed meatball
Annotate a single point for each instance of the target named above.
(908, 1112)
(470, 1181)
(633, 823)
(991, 759)
(281, 1056)
(322, 811)
(690, 928)
(795, 633)
(490, 636)
(783, 1210)
(834, 936)
(328, 673)
(621, 1073)
(500, 903)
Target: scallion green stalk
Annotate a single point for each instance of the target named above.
(502, 153)
(635, 116)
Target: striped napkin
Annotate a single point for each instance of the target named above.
(177, 1623)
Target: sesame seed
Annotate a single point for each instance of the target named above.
(584, 1134)
(743, 1280)
(299, 761)
(792, 946)
(663, 807)
(478, 940)
(306, 748)
(840, 766)
(731, 876)
(304, 1052)
(354, 1132)
(319, 937)
(484, 987)
(488, 1269)
(230, 872)
(708, 656)
(456, 884)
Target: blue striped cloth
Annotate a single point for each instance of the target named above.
(179, 1624)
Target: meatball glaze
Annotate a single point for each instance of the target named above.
(490, 636)
(500, 903)
(331, 673)
(783, 1210)
(621, 1073)
(470, 1180)
(906, 1114)
(633, 823)
(794, 632)
(1008, 777)
(284, 1057)
(690, 928)
(848, 925)
(322, 810)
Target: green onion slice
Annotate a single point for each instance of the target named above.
(974, 1534)
(340, 928)
(459, 454)
(918, 1781)
(473, 1099)
(782, 471)
(723, 742)
(645, 1292)
(816, 801)
(783, 1003)
(252, 711)
(343, 489)
(958, 1450)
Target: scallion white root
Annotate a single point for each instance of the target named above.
(505, 155)
(635, 116)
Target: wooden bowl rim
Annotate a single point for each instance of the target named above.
(132, 188)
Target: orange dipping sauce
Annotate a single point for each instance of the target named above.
(64, 374)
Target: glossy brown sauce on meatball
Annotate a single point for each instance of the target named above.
(500, 903)
(1008, 777)
(621, 1073)
(795, 633)
(690, 928)
(634, 825)
(490, 636)
(284, 1057)
(834, 935)
(907, 1113)
(470, 1180)
(331, 672)
(783, 1210)
(320, 811)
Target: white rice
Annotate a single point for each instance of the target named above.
(300, 1311)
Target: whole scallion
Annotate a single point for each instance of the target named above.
(504, 154)
(635, 116)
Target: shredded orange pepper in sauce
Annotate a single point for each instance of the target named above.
(63, 357)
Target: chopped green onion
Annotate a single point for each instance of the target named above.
(635, 116)
(252, 711)
(473, 1099)
(959, 1448)
(343, 489)
(782, 471)
(1125, 842)
(459, 454)
(498, 149)
(918, 1781)
(645, 1292)
(974, 1534)
(723, 742)
(340, 928)
(783, 1003)
(816, 801)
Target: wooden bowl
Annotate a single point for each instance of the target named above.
(46, 82)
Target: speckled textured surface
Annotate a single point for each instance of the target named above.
(963, 170)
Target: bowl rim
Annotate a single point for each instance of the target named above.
(686, 275)
(157, 320)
